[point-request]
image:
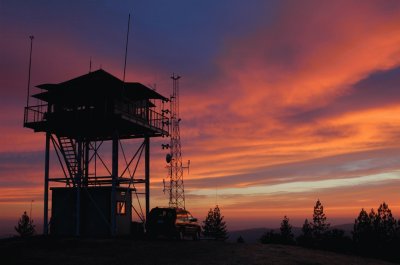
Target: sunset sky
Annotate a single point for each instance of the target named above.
(282, 102)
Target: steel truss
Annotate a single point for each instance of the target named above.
(80, 162)
(175, 187)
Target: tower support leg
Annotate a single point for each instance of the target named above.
(86, 164)
(46, 186)
(113, 222)
(147, 174)
(78, 182)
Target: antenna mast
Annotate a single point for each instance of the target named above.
(176, 187)
(29, 71)
(126, 46)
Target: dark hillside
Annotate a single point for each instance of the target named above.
(57, 251)
(253, 235)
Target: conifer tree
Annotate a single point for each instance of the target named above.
(385, 223)
(305, 239)
(25, 226)
(214, 226)
(376, 230)
(307, 229)
(286, 231)
(270, 237)
(221, 232)
(373, 219)
(373, 236)
(398, 231)
(363, 227)
(240, 240)
(208, 224)
(372, 216)
(319, 224)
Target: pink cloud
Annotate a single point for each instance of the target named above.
(238, 128)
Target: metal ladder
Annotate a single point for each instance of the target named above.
(68, 150)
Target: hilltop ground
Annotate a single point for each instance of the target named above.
(58, 251)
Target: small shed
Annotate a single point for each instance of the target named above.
(95, 207)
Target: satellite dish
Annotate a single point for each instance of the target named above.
(168, 158)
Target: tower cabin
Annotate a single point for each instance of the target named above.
(96, 105)
(77, 115)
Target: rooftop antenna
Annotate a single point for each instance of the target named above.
(90, 64)
(30, 212)
(216, 195)
(126, 46)
(29, 71)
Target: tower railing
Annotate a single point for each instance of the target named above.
(142, 115)
(35, 113)
(138, 114)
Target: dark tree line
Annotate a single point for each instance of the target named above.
(374, 234)
(376, 231)
(285, 236)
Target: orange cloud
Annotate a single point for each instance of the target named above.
(308, 60)
(297, 100)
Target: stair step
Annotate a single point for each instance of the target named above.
(67, 146)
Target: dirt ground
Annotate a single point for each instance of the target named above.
(58, 251)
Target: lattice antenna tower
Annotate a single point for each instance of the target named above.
(175, 187)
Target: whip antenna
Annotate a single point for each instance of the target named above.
(29, 71)
(126, 46)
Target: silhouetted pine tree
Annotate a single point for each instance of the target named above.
(363, 228)
(372, 216)
(336, 240)
(319, 224)
(270, 237)
(240, 240)
(376, 234)
(307, 229)
(398, 231)
(25, 226)
(214, 226)
(305, 239)
(385, 224)
(286, 231)
(373, 237)
(208, 224)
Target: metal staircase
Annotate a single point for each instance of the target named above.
(68, 150)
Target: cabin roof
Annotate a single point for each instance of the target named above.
(94, 85)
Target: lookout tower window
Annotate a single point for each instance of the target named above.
(121, 208)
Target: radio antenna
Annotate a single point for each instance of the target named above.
(29, 72)
(176, 188)
(126, 47)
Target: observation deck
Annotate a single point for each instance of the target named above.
(94, 106)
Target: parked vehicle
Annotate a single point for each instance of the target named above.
(172, 222)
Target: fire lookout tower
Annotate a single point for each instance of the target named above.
(78, 116)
